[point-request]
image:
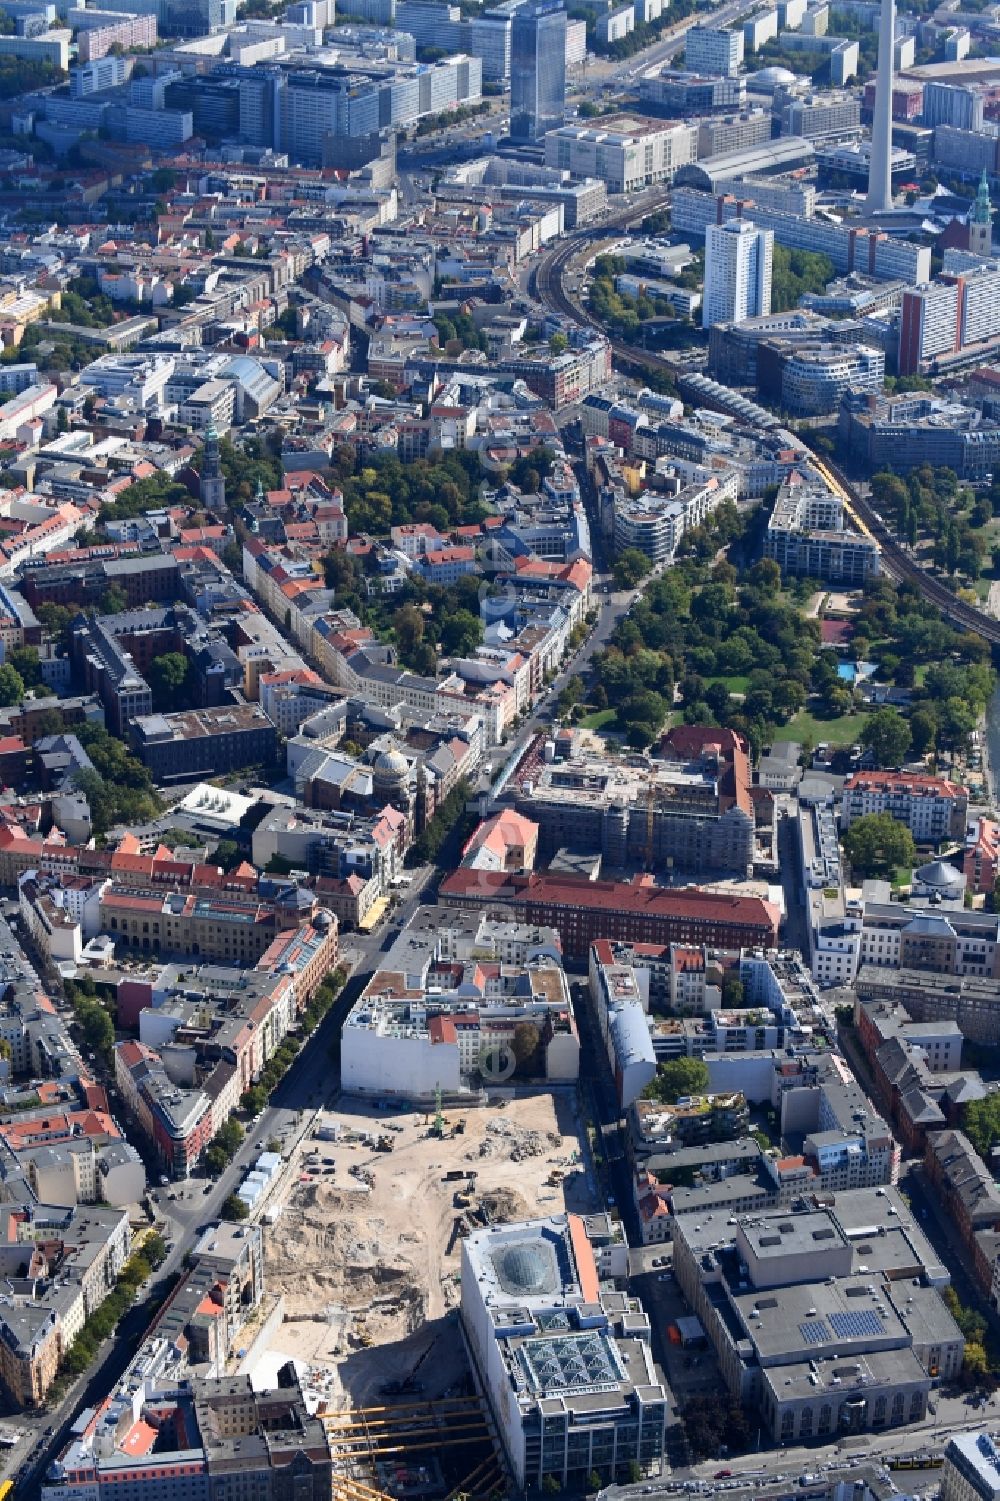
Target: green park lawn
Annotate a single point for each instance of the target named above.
(844, 730)
(601, 719)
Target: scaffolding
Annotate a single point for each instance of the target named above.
(412, 1431)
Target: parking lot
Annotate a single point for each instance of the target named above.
(689, 1372)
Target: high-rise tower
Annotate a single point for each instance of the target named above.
(213, 482)
(981, 220)
(738, 259)
(879, 200)
(537, 69)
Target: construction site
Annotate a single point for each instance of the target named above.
(366, 1255)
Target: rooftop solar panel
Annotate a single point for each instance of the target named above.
(815, 1331)
(857, 1325)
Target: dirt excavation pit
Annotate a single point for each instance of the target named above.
(367, 1249)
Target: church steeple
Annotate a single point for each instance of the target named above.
(213, 482)
(981, 220)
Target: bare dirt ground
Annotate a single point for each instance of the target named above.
(365, 1251)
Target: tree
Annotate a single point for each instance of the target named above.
(254, 1099)
(631, 567)
(732, 993)
(25, 662)
(408, 625)
(228, 854)
(887, 736)
(169, 677)
(678, 1078)
(923, 731)
(975, 1364)
(558, 343)
(11, 685)
(982, 1124)
(234, 1208)
(113, 600)
(525, 1045)
(878, 844)
(461, 633)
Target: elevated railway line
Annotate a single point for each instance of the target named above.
(897, 561)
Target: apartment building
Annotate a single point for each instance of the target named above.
(933, 808)
(808, 535)
(981, 861)
(654, 522)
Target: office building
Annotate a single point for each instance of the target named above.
(909, 431)
(537, 69)
(809, 380)
(625, 154)
(94, 77)
(205, 1438)
(813, 1327)
(879, 199)
(737, 272)
(714, 53)
(564, 1359)
(583, 909)
(828, 116)
(689, 809)
(678, 92)
(951, 104)
(204, 742)
(431, 1019)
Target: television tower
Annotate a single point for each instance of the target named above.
(879, 200)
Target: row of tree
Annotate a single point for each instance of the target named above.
(105, 1318)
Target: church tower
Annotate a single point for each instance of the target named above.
(981, 221)
(213, 482)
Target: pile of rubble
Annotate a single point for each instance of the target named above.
(504, 1139)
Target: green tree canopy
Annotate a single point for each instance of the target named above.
(11, 685)
(170, 681)
(677, 1078)
(888, 737)
(877, 844)
(982, 1124)
(630, 568)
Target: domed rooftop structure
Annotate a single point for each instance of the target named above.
(527, 1268)
(939, 879)
(390, 765)
(770, 78)
(323, 919)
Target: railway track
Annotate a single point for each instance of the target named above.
(896, 561)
